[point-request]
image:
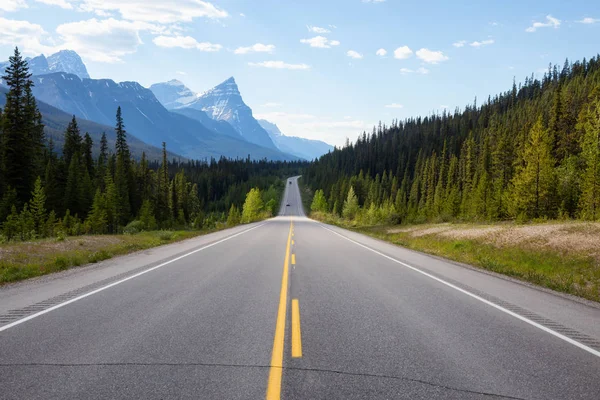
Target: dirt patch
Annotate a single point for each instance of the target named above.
(578, 238)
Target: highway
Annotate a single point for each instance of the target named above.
(294, 309)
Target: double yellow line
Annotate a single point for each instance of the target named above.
(276, 369)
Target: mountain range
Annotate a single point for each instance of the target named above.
(300, 147)
(224, 103)
(197, 126)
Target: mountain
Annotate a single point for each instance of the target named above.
(145, 117)
(68, 61)
(223, 103)
(56, 121)
(64, 61)
(173, 94)
(304, 148)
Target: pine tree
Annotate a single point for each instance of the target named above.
(319, 203)
(73, 142)
(234, 217)
(590, 122)
(37, 206)
(535, 179)
(350, 205)
(22, 131)
(86, 151)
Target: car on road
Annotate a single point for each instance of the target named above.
(287, 205)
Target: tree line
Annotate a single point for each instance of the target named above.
(532, 152)
(44, 192)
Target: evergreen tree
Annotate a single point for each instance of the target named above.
(37, 206)
(590, 122)
(73, 142)
(234, 217)
(22, 131)
(350, 205)
(319, 203)
(534, 180)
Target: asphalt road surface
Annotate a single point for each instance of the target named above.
(291, 308)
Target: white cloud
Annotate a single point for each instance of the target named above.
(59, 3)
(155, 10)
(255, 48)
(430, 56)
(12, 5)
(402, 53)
(373, 1)
(482, 43)
(422, 71)
(405, 71)
(551, 22)
(24, 34)
(354, 54)
(101, 40)
(242, 15)
(181, 73)
(460, 43)
(317, 29)
(589, 20)
(279, 65)
(494, 23)
(320, 42)
(185, 42)
(381, 52)
(394, 105)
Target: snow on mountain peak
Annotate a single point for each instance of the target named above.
(67, 61)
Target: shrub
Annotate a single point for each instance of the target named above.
(133, 227)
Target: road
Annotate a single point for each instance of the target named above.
(294, 309)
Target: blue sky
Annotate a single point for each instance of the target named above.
(313, 67)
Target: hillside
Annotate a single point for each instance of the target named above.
(532, 152)
(56, 121)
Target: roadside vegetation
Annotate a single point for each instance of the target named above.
(63, 207)
(529, 155)
(563, 256)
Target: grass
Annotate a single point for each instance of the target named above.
(551, 255)
(23, 260)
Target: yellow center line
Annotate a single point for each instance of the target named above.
(276, 369)
(296, 333)
(293, 259)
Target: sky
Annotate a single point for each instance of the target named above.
(319, 69)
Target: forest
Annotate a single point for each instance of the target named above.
(45, 194)
(530, 153)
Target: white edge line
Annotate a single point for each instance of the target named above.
(489, 303)
(83, 296)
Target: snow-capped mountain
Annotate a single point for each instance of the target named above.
(224, 103)
(173, 94)
(68, 61)
(64, 61)
(300, 147)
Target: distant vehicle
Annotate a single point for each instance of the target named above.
(290, 182)
(287, 205)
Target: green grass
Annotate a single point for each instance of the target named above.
(572, 272)
(23, 260)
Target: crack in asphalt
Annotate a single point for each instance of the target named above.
(196, 364)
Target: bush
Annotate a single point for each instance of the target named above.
(60, 236)
(133, 227)
(99, 256)
(165, 235)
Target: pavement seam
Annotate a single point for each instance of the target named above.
(300, 369)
